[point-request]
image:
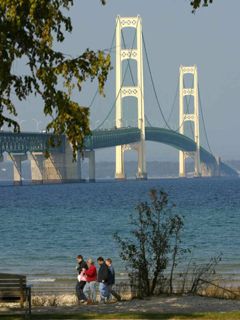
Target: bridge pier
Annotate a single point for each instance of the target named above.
(53, 168)
(33, 168)
(206, 170)
(17, 166)
(212, 170)
(141, 173)
(60, 167)
(6, 168)
(91, 165)
(120, 171)
(182, 165)
(72, 168)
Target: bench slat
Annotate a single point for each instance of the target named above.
(9, 275)
(17, 285)
(12, 276)
(13, 288)
(12, 294)
(10, 299)
(11, 283)
(13, 297)
(12, 279)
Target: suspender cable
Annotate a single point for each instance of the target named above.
(173, 104)
(133, 81)
(204, 125)
(147, 120)
(124, 76)
(105, 50)
(153, 85)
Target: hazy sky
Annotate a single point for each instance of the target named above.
(174, 36)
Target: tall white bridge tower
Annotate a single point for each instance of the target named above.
(136, 91)
(187, 116)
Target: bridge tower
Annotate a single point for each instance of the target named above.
(186, 116)
(136, 91)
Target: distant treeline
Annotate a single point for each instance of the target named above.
(154, 168)
(106, 169)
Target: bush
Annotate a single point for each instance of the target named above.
(155, 237)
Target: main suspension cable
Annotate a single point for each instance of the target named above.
(173, 104)
(105, 50)
(124, 76)
(153, 85)
(203, 120)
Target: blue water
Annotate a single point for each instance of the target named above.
(44, 227)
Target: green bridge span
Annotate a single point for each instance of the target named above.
(37, 142)
(114, 137)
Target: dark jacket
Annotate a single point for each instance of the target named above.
(103, 273)
(82, 265)
(111, 275)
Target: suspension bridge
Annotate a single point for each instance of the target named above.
(30, 147)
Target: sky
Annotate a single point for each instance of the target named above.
(174, 36)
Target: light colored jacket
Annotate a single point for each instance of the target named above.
(82, 276)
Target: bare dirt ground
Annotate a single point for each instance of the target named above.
(162, 304)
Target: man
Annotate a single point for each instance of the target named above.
(111, 280)
(81, 268)
(103, 274)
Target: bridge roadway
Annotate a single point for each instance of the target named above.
(37, 142)
(114, 137)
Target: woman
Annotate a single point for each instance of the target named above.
(91, 277)
(81, 268)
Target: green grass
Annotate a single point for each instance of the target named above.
(169, 316)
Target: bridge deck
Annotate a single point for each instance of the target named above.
(27, 141)
(37, 142)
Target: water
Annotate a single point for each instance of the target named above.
(44, 227)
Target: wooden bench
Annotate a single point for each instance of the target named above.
(13, 288)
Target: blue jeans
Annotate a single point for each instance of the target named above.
(112, 292)
(90, 290)
(103, 289)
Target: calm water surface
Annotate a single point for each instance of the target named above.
(43, 228)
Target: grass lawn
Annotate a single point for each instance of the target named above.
(193, 316)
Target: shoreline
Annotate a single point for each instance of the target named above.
(36, 279)
(63, 292)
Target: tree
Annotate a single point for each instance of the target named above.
(155, 236)
(28, 30)
(198, 3)
(178, 252)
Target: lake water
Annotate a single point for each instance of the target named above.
(44, 227)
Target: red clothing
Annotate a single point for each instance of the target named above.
(91, 273)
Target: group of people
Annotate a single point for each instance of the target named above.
(88, 276)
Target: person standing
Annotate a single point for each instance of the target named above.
(81, 268)
(90, 287)
(111, 280)
(103, 275)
